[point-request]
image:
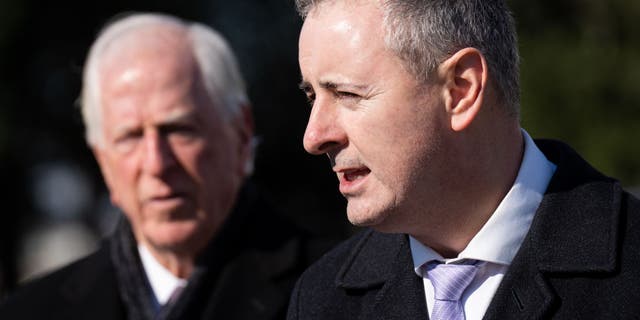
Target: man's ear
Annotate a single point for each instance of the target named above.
(465, 78)
(106, 173)
(245, 130)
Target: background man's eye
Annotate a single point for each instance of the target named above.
(129, 137)
(127, 142)
(181, 132)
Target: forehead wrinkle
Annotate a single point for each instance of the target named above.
(174, 116)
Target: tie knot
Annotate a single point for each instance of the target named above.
(450, 280)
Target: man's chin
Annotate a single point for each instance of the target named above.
(181, 236)
(364, 218)
(379, 218)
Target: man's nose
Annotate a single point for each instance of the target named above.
(324, 130)
(158, 155)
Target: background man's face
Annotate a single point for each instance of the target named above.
(171, 161)
(381, 128)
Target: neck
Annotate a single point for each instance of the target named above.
(488, 166)
(180, 265)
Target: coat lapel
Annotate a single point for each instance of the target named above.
(91, 291)
(381, 265)
(249, 268)
(574, 233)
(250, 286)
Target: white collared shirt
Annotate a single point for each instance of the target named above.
(162, 281)
(498, 241)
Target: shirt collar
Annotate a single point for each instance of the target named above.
(500, 238)
(162, 281)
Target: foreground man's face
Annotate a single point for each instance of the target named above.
(171, 160)
(378, 125)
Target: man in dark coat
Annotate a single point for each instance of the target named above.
(169, 122)
(416, 104)
(247, 272)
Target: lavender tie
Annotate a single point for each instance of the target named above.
(449, 282)
(175, 294)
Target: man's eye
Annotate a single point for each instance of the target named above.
(127, 141)
(347, 95)
(184, 129)
(180, 131)
(129, 137)
(311, 98)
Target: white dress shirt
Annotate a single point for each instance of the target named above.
(498, 241)
(162, 281)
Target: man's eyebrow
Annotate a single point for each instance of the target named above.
(124, 128)
(305, 86)
(331, 85)
(179, 116)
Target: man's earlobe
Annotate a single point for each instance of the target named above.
(246, 140)
(465, 77)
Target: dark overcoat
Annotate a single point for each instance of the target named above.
(248, 273)
(579, 260)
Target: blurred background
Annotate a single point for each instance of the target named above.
(580, 70)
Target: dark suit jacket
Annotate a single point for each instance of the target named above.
(259, 256)
(580, 260)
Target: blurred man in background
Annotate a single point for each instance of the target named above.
(416, 105)
(169, 123)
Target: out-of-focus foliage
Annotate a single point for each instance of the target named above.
(581, 78)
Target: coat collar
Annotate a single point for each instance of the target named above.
(371, 262)
(574, 233)
(381, 265)
(576, 225)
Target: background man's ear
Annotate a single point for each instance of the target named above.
(245, 127)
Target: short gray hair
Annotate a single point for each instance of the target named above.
(424, 33)
(216, 62)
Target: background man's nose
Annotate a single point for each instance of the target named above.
(158, 154)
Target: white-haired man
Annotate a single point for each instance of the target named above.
(416, 104)
(168, 120)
